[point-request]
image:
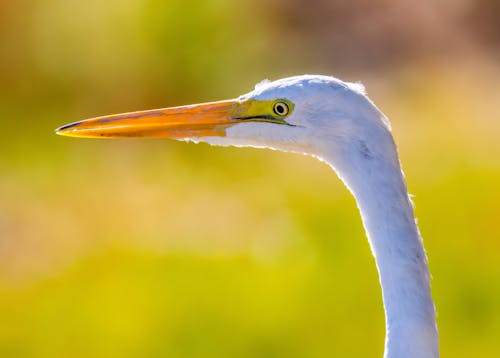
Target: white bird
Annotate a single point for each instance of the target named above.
(335, 122)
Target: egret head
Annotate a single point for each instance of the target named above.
(308, 114)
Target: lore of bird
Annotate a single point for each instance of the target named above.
(335, 122)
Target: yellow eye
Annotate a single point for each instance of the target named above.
(281, 109)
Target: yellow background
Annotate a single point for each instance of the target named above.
(155, 248)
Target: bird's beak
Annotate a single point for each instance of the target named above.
(198, 120)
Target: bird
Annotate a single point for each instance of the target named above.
(335, 122)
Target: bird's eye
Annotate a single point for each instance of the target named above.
(281, 108)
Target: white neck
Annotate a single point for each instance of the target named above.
(381, 195)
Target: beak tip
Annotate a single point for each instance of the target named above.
(64, 130)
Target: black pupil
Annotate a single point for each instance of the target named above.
(280, 108)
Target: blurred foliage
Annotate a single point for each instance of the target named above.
(158, 248)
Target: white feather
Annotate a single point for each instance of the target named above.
(335, 122)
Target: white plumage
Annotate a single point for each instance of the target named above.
(335, 122)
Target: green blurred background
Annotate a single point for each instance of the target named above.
(154, 248)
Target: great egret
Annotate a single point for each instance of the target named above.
(335, 122)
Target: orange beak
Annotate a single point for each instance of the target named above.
(199, 120)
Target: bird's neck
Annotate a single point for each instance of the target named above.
(381, 195)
